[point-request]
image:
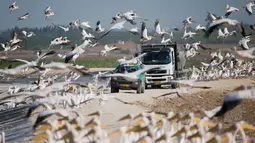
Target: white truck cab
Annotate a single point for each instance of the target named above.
(160, 55)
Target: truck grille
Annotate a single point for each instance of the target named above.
(157, 72)
(152, 80)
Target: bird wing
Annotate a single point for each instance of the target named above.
(203, 47)
(228, 13)
(248, 9)
(106, 47)
(45, 55)
(144, 31)
(157, 26)
(21, 60)
(47, 9)
(25, 14)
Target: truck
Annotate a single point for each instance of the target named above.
(165, 55)
(119, 83)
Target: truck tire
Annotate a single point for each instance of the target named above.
(140, 88)
(114, 90)
(174, 85)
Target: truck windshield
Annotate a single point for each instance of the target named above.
(154, 58)
(129, 69)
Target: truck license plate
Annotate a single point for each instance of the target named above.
(157, 82)
(124, 85)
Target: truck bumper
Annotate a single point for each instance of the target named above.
(162, 80)
(125, 85)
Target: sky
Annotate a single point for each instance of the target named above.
(169, 12)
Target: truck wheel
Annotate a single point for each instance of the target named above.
(114, 90)
(173, 85)
(140, 88)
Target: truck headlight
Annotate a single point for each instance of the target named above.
(136, 82)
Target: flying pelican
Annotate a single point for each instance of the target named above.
(74, 54)
(144, 34)
(116, 26)
(230, 9)
(246, 38)
(227, 33)
(249, 6)
(35, 63)
(85, 34)
(230, 101)
(158, 30)
(15, 39)
(133, 76)
(200, 28)
(198, 44)
(188, 35)
(48, 12)
(249, 53)
(13, 7)
(164, 40)
(99, 29)
(74, 24)
(6, 46)
(24, 17)
(134, 31)
(116, 17)
(187, 21)
(220, 33)
(86, 24)
(108, 49)
(130, 16)
(214, 25)
(28, 34)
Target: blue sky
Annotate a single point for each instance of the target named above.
(169, 12)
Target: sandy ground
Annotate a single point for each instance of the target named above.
(206, 98)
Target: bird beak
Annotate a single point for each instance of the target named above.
(137, 123)
(247, 126)
(68, 41)
(114, 133)
(94, 114)
(224, 6)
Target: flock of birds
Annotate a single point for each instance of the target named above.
(62, 94)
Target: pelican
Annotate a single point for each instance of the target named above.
(35, 63)
(144, 34)
(165, 41)
(187, 21)
(230, 9)
(249, 53)
(231, 100)
(86, 24)
(99, 29)
(85, 34)
(227, 33)
(6, 46)
(108, 49)
(220, 34)
(188, 35)
(28, 34)
(133, 76)
(224, 21)
(15, 39)
(13, 7)
(214, 17)
(249, 6)
(24, 17)
(118, 26)
(200, 28)
(244, 43)
(134, 31)
(158, 29)
(74, 24)
(198, 44)
(48, 12)
(116, 17)
(130, 16)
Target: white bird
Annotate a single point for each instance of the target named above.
(74, 54)
(133, 76)
(13, 7)
(230, 9)
(158, 30)
(165, 41)
(224, 21)
(6, 46)
(188, 35)
(48, 12)
(28, 34)
(249, 6)
(59, 41)
(244, 43)
(85, 34)
(227, 33)
(187, 21)
(86, 24)
(116, 17)
(249, 53)
(200, 28)
(198, 44)
(117, 26)
(35, 63)
(74, 24)
(220, 33)
(134, 31)
(99, 28)
(107, 49)
(130, 16)
(144, 34)
(24, 17)
(15, 40)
